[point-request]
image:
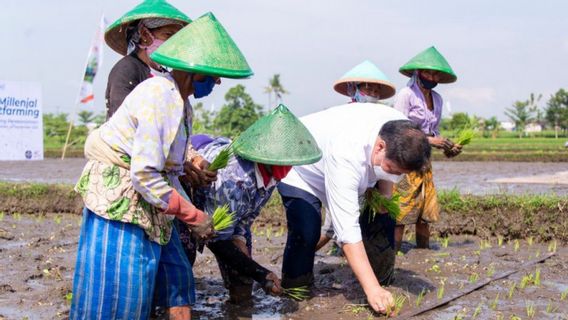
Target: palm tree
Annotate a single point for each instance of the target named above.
(276, 88)
(86, 117)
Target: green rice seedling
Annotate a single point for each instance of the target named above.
(551, 308)
(17, 216)
(473, 278)
(435, 268)
(442, 254)
(530, 241)
(376, 202)
(537, 277)
(268, 232)
(524, 281)
(537, 254)
(410, 236)
(552, 246)
(564, 294)
(298, 293)
(57, 219)
(514, 317)
(460, 315)
(441, 290)
(222, 158)
(495, 302)
(444, 242)
(355, 308)
(420, 297)
(280, 232)
(491, 270)
(222, 219)
(69, 297)
(399, 300)
(516, 245)
(512, 288)
(400, 254)
(499, 316)
(1, 215)
(477, 311)
(465, 136)
(484, 244)
(499, 240)
(531, 309)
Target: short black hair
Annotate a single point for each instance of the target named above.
(406, 144)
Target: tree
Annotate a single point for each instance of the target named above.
(239, 112)
(202, 119)
(86, 117)
(556, 112)
(460, 120)
(492, 125)
(522, 113)
(276, 88)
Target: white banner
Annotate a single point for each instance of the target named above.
(21, 121)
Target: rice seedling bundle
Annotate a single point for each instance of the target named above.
(222, 158)
(376, 202)
(465, 136)
(222, 219)
(298, 293)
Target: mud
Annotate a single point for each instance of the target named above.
(467, 177)
(38, 254)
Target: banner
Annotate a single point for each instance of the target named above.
(21, 121)
(94, 60)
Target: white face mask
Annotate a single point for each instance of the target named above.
(382, 175)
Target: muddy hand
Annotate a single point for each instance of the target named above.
(273, 285)
(380, 300)
(203, 230)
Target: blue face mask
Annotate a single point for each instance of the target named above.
(428, 84)
(203, 88)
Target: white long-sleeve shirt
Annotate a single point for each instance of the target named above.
(346, 135)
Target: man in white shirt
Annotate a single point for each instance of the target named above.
(362, 143)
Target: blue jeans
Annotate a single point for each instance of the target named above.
(303, 213)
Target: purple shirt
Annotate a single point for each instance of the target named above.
(412, 103)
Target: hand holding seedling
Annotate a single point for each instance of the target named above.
(197, 173)
(274, 286)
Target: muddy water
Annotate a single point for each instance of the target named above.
(468, 177)
(38, 255)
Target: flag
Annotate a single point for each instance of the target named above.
(94, 61)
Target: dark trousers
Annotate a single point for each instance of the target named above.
(303, 212)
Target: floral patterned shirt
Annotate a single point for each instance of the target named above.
(150, 131)
(236, 186)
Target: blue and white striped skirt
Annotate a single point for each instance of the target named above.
(120, 273)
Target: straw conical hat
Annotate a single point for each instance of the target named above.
(203, 46)
(366, 72)
(115, 35)
(430, 59)
(278, 138)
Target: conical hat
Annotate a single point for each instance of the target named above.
(203, 46)
(366, 72)
(430, 59)
(278, 138)
(115, 35)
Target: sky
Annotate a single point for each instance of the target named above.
(501, 50)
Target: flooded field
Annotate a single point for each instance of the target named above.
(467, 177)
(38, 254)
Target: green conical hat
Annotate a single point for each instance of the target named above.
(430, 59)
(115, 35)
(366, 72)
(203, 46)
(278, 138)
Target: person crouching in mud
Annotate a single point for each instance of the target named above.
(264, 154)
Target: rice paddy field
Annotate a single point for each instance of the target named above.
(488, 228)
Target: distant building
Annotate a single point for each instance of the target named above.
(533, 127)
(507, 126)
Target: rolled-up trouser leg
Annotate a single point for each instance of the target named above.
(378, 238)
(303, 213)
